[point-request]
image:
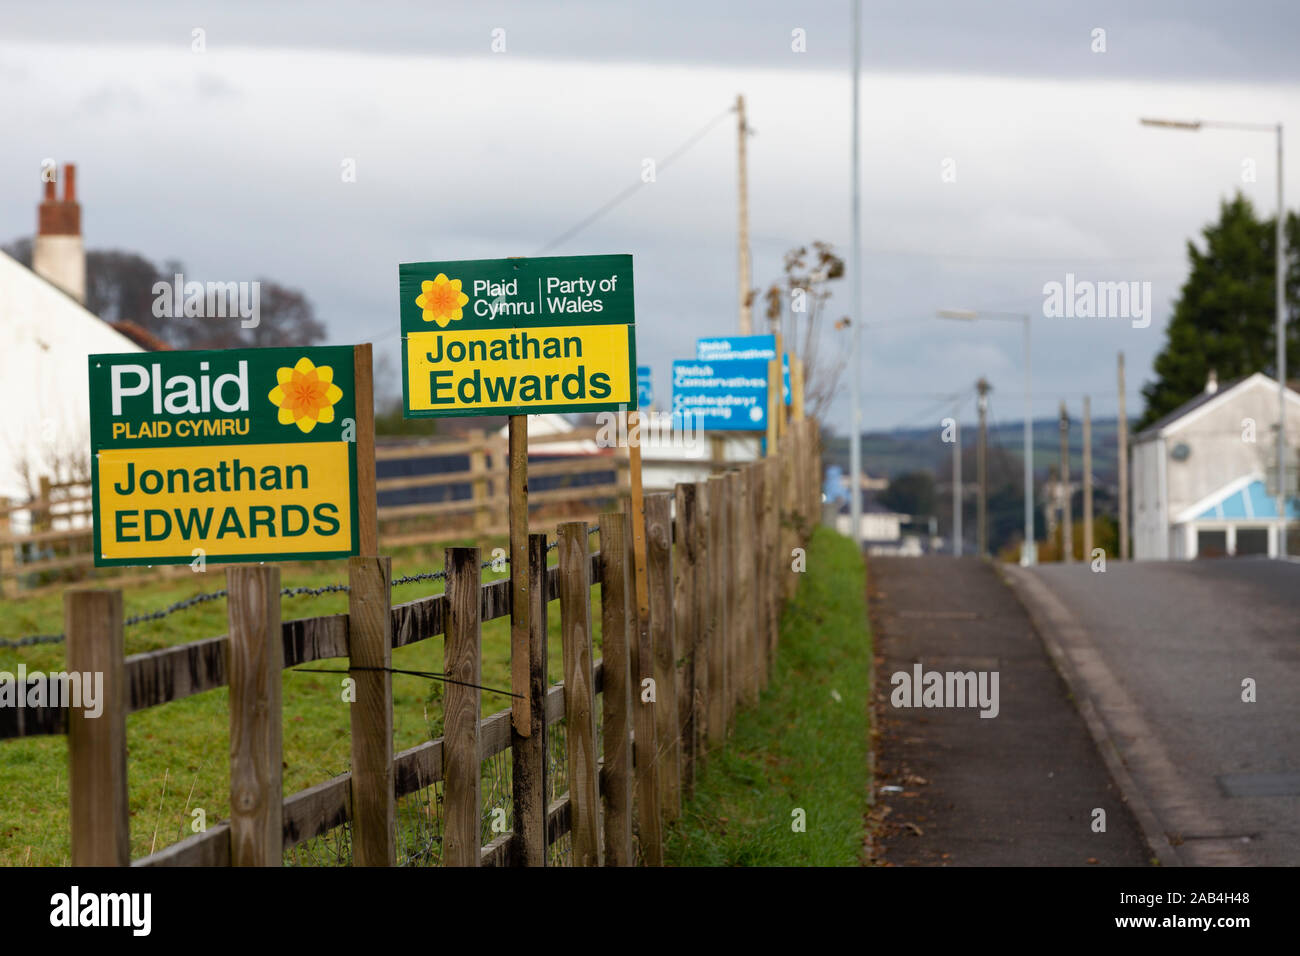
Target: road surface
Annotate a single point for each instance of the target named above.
(1164, 648)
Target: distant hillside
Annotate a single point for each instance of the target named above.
(888, 454)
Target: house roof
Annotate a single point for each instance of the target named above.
(141, 336)
(32, 302)
(1175, 418)
(48, 338)
(1159, 424)
(132, 331)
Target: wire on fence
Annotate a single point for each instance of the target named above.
(431, 675)
(304, 591)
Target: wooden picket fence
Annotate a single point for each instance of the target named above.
(719, 560)
(59, 518)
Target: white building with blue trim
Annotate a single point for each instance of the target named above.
(1204, 477)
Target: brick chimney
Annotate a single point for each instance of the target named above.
(58, 253)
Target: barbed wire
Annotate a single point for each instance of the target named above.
(31, 639)
(173, 608)
(302, 591)
(431, 675)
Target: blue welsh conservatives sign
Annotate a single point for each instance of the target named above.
(745, 347)
(730, 395)
(645, 392)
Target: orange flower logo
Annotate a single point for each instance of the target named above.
(306, 394)
(441, 300)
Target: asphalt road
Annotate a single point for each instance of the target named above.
(1174, 642)
(1017, 789)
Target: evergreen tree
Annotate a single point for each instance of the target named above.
(1224, 319)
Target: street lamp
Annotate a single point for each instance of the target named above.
(1028, 552)
(1195, 126)
(855, 368)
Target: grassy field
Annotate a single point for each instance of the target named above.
(804, 747)
(178, 753)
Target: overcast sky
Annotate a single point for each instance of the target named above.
(230, 160)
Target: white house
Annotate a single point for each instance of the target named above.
(1204, 476)
(47, 335)
(668, 456)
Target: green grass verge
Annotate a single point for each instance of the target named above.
(804, 747)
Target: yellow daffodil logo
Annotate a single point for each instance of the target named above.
(306, 394)
(441, 300)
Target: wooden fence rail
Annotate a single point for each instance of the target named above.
(719, 561)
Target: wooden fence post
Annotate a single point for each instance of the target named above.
(363, 383)
(801, 476)
(702, 616)
(8, 564)
(795, 465)
(735, 615)
(746, 554)
(813, 478)
(579, 693)
(801, 486)
(649, 828)
(796, 388)
(500, 472)
(758, 587)
(617, 719)
(775, 404)
(370, 649)
(478, 486)
(789, 453)
(461, 769)
(520, 635)
(772, 520)
(815, 470)
(100, 814)
(815, 463)
(808, 462)
(528, 754)
(685, 589)
(740, 595)
(256, 651)
(659, 555)
(718, 596)
(42, 516)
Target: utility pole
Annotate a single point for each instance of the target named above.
(1087, 478)
(982, 470)
(1067, 528)
(742, 131)
(1123, 467)
(956, 484)
(855, 264)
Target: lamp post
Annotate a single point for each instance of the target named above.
(1028, 551)
(855, 397)
(1280, 304)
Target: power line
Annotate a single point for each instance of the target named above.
(955, 401)
(975, 256)
(626, 193)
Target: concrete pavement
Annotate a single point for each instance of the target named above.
(1019, 788)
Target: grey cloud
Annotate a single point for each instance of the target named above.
(1249, 39)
